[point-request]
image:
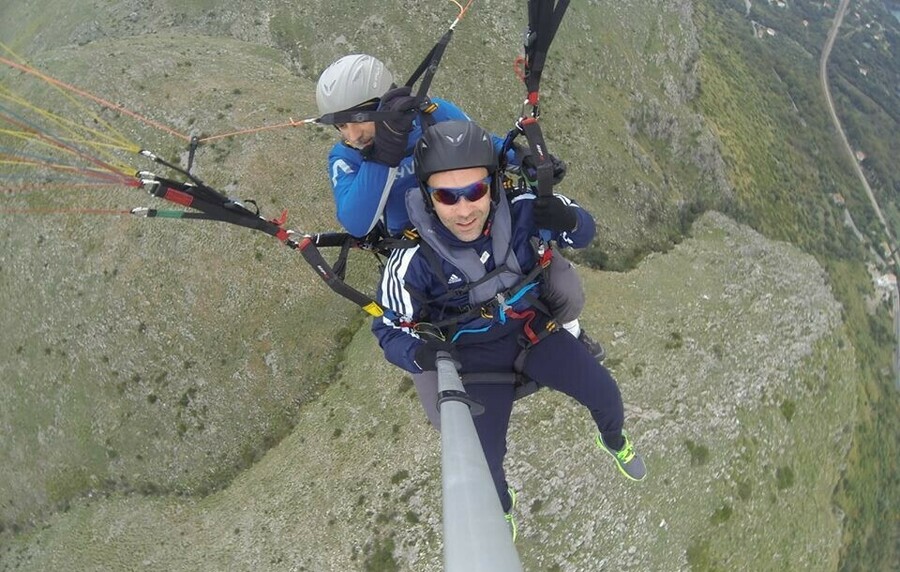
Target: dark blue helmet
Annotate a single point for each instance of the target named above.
(453, 145)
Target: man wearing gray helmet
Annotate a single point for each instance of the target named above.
(371, 170)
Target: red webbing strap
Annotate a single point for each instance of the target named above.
(178, 197)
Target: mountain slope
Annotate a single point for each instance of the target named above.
(738, 383)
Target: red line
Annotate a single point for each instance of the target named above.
(66, 211)
(33, 187)
(62, 145)
(66, 168)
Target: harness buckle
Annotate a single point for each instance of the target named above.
(546, 257)
(501, 302)
(427, 106)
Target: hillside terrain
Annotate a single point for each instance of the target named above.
(174, 384)
(738, 383)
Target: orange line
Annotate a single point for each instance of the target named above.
(117, 107)
(100, 100)
(462, 12)
(97, 173)
(56, 142)
(290, 123)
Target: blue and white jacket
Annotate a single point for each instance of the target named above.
(409, 276)
(364, 190)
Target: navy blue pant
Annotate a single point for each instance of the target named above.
(559, 362)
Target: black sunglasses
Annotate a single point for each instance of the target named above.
(451, 196)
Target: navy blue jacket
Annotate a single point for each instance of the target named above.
(410, 270)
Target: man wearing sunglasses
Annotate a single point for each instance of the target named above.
(471, 288)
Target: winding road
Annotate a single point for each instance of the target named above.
(823, 77)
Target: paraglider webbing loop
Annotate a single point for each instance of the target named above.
(544, 17)
(333, 275)
(429, 66)
(213, 204)
(308, 248)
(541, 157)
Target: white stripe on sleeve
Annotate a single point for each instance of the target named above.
(393, 293)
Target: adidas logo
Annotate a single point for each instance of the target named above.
(454, 279)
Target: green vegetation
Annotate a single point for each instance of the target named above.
(721, 515)
(788, 408)
(699, 453)
(699, 558)
(675, 341)
(764, 101)
(784, 477)
(381, 557)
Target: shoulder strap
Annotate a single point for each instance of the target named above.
(544, 17)
(466, 259)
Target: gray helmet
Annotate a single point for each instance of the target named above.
(450, 145)
(350, 81)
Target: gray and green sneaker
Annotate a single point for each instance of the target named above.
(630, 463)
(510, 519)
(592, 346)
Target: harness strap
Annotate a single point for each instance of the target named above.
(488, 309)
(429, 66)
(544, 17)
(358, 116)
(522, 384)
(451, 293)
(540, 155)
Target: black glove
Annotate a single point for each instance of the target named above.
(392, 136)
(529, 169)
(426, 353)
(552, 213)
